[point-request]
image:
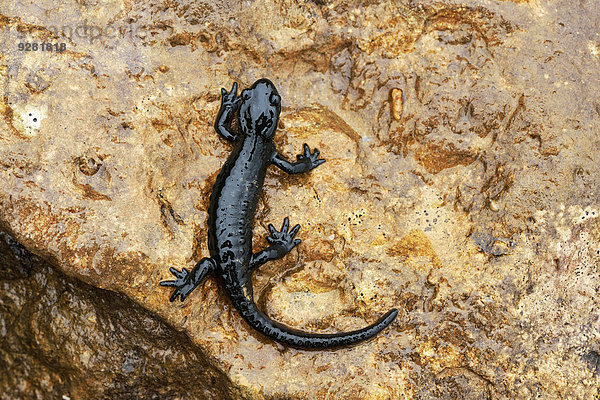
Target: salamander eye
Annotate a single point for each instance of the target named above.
(274, 99)
(245, 95)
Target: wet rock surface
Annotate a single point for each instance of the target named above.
(63, 339)
(460, 186)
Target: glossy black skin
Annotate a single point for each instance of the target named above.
(233, 203)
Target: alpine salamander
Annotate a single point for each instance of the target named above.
(231, 211)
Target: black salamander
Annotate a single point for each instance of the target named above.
(233, 203)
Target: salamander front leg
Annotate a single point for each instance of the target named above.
(230, 102)
(187, 281)
(282, 242)
(306, 161)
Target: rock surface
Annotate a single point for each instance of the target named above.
(64, 339)
(460, 186)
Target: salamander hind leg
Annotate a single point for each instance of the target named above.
(282, 242)
(187, 281)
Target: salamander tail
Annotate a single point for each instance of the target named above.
(300, 339)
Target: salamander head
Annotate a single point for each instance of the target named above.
(259, 109)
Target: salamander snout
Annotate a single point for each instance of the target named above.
(260, 108)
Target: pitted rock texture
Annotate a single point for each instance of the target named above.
(461, 181)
